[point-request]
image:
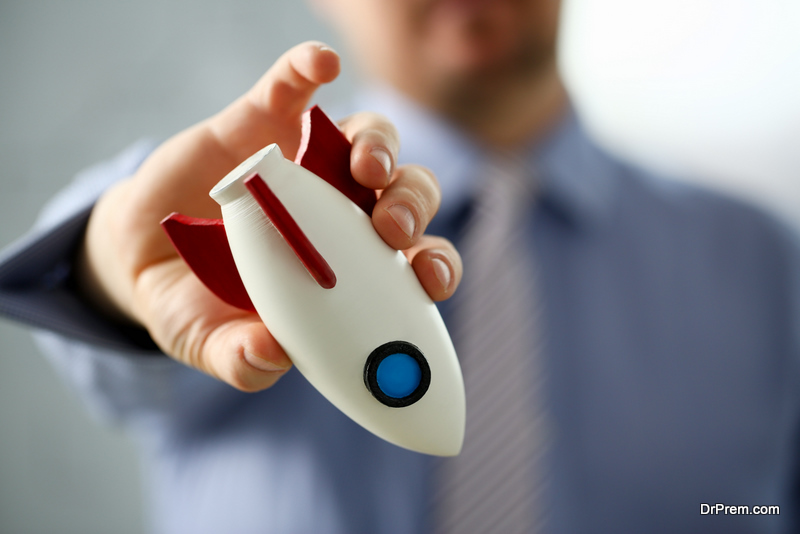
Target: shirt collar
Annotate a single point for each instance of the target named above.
(574, 176)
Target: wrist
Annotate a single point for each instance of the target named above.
(93, 272)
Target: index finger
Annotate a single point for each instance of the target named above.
(270, 111)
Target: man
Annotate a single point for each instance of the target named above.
(669, 325)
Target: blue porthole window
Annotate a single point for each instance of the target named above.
(397, 374)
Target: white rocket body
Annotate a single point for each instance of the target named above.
(330, 333)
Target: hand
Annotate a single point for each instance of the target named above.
(128, 268)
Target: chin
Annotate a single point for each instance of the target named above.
(466, 84)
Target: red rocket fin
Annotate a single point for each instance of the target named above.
(310, 257)
(203, 245)
(325, 151)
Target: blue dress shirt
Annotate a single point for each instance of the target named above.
(671, 347)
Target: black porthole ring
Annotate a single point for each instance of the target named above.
(371, 373)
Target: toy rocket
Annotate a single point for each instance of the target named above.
(296, 244)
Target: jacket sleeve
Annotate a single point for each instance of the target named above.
(118, 371)
(35, 270)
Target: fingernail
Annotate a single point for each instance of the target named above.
(326, 48)
(404, 218)
(261, 364)
(383, 158)
(442, 272)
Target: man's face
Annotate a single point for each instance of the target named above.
(431, 48)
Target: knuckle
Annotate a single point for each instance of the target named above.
(421, 178)
(419, 195)
(430, 179)
(369, 138)
(376, 121)
(389, 132)
(369, 127)
(426, 190)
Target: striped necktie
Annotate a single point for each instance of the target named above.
(494, 485)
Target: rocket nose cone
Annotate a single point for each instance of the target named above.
(442, 431)
(451, 445)
(447, 442)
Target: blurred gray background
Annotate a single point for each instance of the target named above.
(79, 81)
(82, 79)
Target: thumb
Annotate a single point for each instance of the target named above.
(195, 327)
(241, 353)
